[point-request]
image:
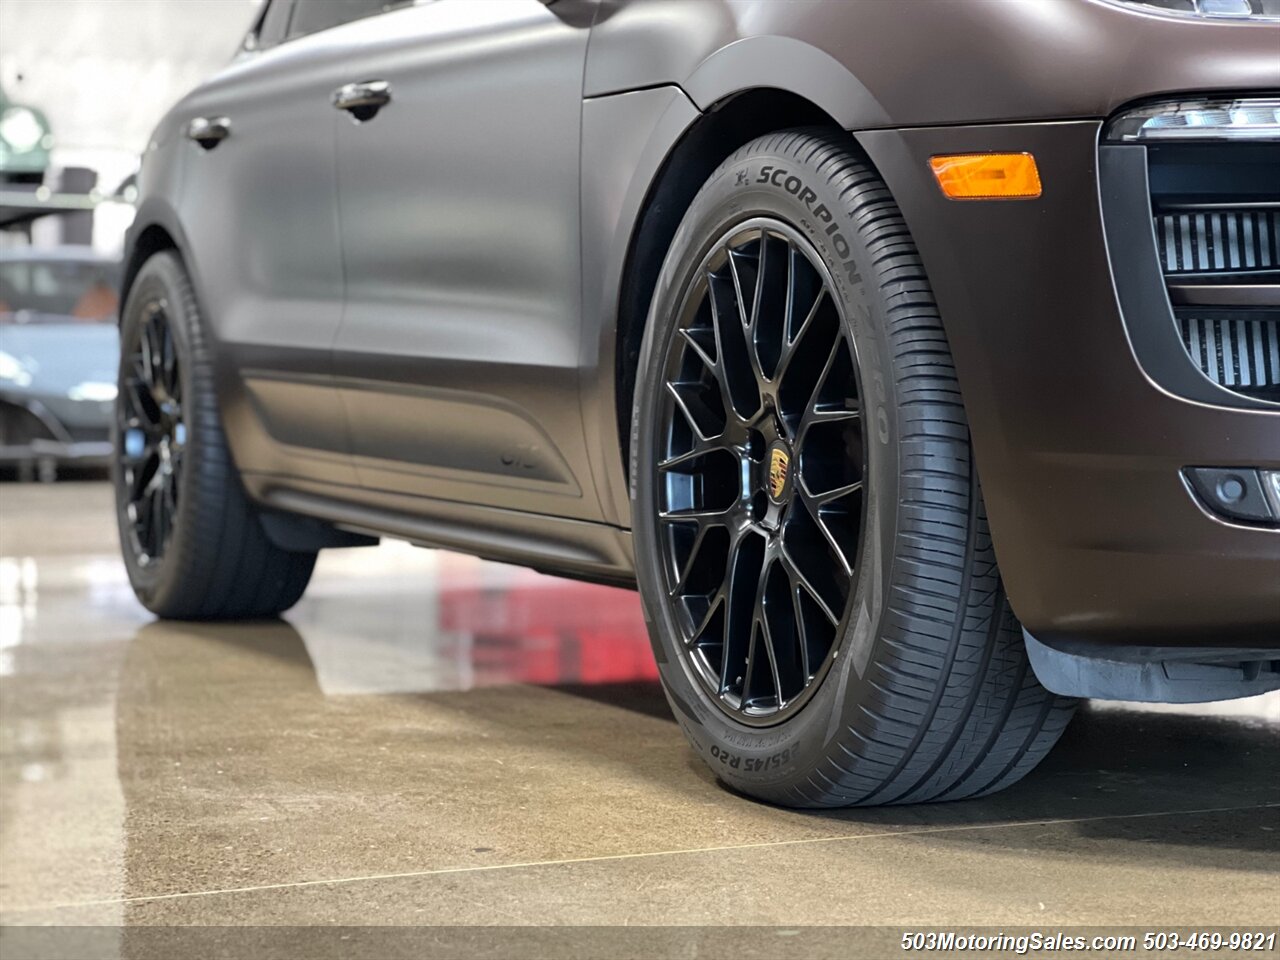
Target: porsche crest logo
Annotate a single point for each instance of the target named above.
(778, 464)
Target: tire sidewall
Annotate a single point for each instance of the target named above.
(765, 182)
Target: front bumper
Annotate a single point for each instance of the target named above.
(36, 428)
(1080, 450)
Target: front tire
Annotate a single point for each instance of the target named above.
(193, 544)
(811, 543)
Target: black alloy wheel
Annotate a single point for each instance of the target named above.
(811, 542)
(193, 544)
(762, 480)
(152, 433)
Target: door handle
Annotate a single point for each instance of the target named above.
(209, 131)
(363, 100)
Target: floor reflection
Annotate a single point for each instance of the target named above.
(421, 711)
(465, 623)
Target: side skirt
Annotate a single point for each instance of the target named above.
(572, 548)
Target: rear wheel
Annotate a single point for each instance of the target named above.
(192, 542)
(811, 542)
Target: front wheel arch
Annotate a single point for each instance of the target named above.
(726, 125)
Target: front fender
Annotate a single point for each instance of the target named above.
(785, 63)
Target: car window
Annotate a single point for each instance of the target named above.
(53, 290)
(271, 25)
(312, 16)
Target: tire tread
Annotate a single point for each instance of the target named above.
(955, 710)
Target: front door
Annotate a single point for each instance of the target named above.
(259, 205)
(458, 173)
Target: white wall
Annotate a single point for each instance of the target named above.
(104, 71)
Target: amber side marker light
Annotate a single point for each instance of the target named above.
(987, 176)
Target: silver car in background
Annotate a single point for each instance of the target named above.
(58, 354)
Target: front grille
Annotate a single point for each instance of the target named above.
(1215, 213)
(1237, 349)
(1218, 241)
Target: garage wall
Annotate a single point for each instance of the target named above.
(105, 70)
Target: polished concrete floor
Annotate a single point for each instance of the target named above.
(429, 739)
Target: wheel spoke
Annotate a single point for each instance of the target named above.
(714, 607)
(761, 617)
(140, 403)
(791, 346)
(688, 400)
(700, 349)
(746, 314)
(806, 584)
(705, 521)
(832, 545)
(830, 496)
(739, 590)
(151, 433)
(796, 594)
(699, 515)
(701, 448)
(739, 383)
(169, 364)
(161, 517)
(813, 411)
(143, 477)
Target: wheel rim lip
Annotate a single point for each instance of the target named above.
(696, 288)
(170, 436)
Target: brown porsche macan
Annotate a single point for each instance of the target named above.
(919, 362)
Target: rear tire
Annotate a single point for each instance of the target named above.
(193, 544)
(924, 691)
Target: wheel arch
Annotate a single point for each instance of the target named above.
(155, 229)
(719, 129)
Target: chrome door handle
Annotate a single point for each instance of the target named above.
(363, 100)
(209, 131)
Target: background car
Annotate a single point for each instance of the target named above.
(59, 349)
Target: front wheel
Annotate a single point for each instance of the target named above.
(812, 548)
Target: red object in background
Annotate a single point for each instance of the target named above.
(532, 628)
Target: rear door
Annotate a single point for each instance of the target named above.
(457, 357)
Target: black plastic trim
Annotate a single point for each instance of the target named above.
(1140, 282)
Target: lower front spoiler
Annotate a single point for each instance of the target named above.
(1155, 675)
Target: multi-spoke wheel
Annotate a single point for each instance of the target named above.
(762, 481)
(811, 544)
(152, 433)
(193, 545)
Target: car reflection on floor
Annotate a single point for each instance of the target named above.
(536, 629)
(465, 623)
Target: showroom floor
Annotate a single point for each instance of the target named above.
(430, 739)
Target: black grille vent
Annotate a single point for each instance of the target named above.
(1237, 349)
(1218, 241)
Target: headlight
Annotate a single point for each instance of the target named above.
(1229, 9)
(1254, 119)
(20, 129)
(12, 370)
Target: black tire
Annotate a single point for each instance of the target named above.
(211, 559)
(927, 694)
